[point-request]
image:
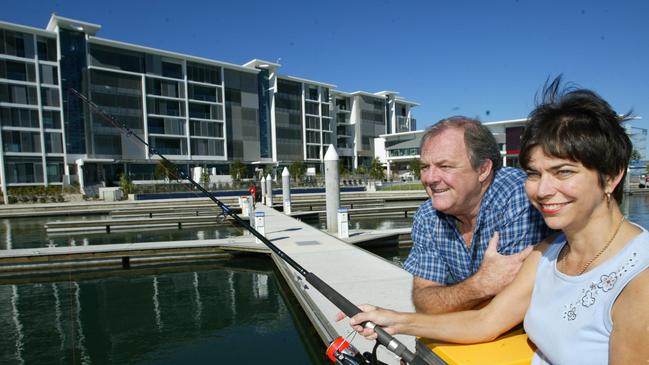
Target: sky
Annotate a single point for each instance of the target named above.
(485, 59)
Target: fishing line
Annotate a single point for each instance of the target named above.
(347, 307)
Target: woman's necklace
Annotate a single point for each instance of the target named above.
(583, 270)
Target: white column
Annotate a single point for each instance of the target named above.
(332, 188)
(269, 190)
(286, 191)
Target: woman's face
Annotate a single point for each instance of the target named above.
(564, 191)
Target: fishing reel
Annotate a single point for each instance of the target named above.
(342, 352)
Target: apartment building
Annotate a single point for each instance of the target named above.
(196, 111)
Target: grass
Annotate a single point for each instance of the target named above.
(409, 186)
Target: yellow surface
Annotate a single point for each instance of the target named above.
(512, 348)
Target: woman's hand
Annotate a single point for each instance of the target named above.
(389, 320)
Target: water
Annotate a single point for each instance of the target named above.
(30, 233)
(234, 311)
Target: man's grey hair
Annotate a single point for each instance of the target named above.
(480, 142)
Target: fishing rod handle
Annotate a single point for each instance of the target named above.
(350, 310)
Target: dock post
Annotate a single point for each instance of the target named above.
(263, 190)
(260, 218)
(343, 223)
(269, 190)
(332, 188)
(286, 190)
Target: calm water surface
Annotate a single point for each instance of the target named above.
(235, 311)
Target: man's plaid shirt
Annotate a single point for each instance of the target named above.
(439, 253)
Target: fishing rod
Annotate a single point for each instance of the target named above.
(342, 303)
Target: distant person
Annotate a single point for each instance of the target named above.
(583, 294)
(253, 192)
(474, 203)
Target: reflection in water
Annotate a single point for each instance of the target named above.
(31, 233)
(208, 314)
(19, 327)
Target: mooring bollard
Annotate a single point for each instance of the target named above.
(343, 223)
(260, 218)
(244, 203)
(269, 190)
(263, 190)
(286, 190)
(332, 189)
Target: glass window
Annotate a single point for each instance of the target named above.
(53, 143)
(312, 92)
(46, 49)
(172, 69)
(203, 93)
(311, 107)
(49, 96)
(326, 138)
(326, 124)
(312, 122)
(312, 137)
(15, 70)
(49, 74)
(207, 147)
(203, 73)
(166, 126)
(169, 146)
(116, 58)
(163, 87)
(165, 107)
(18, 94)
(19, 117)
(55, 170)
(16, 43)
(24, 170)
(324, 109)
(21, 141)
(313, 152)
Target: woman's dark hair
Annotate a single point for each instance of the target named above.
(578, 125)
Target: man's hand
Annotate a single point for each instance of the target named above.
(495, 273)
(496, 270)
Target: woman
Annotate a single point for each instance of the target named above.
(584, 294)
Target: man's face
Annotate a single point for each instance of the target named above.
(446, 173)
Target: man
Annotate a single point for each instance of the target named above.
(471, 237)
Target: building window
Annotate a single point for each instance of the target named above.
(312, 152)
(166, 126)
(18, 94)
(46, 49)
(14, 70)
(49, 74)
(203, 73)
(19, 117)
(311, 107)
(21, 141)
(173, 70)
(22, 170)
(208, 147)
(53, 143)
(169, 146)
(16, 44)
(55, 170)
(50, 97)
(312, 92)
(203, 93)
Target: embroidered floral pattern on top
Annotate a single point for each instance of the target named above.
(594, 290)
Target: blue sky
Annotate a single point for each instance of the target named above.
(475, 58)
